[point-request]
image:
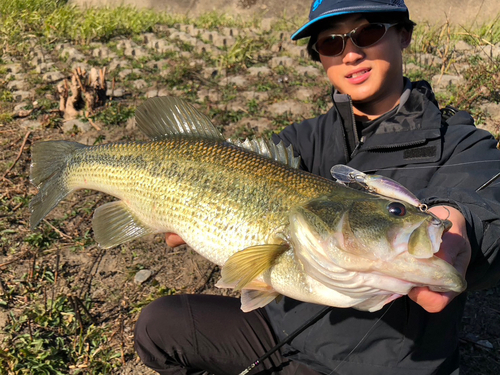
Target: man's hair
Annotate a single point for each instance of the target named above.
(401, 18)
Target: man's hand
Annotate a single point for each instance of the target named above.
(173, 240)
(455, 249)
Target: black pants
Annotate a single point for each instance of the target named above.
(199, 334)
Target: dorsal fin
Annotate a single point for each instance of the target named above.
(268, 148)
(166, 116)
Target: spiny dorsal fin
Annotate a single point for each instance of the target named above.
(246, 265)
(268, 148)
(166, 116)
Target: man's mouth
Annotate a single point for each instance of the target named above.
(358, 73)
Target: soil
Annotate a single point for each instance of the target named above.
(106, 278)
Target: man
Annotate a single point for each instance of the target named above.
(380, 123)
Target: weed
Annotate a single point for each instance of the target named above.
(114, 113)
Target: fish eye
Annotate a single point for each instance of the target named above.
(397, 209)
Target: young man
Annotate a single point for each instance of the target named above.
(380, 123)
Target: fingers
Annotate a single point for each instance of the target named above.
(430, 301)
(173, 240)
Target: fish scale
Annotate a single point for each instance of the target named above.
(273, 228)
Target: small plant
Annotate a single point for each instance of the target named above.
(114, 113)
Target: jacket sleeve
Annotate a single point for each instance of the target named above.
(460, 182)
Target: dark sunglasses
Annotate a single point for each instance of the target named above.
(362, 36)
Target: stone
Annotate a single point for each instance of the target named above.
(257, 125)
(290, 106)
(13, 68)
(142, 276)
(79, 125)
(126, 72)
(162, 46)
(298, 51)
(308, 71)
(281, 61)
(116, 93)
(427, 59)
(492, 110)
(30, 125)
(22, 95)
(259, 71)
(463, 46)
(267, 23)
(71, 54)
(255, 95)
(103, 53)
(139, 84)
(152, 93)
(18, 85)
(118, 64)
(44, 67)
(485, 344)
(135, 52)
(238, 81)
(445, 81)
(212, 95)
(304, 94)
(52, 77)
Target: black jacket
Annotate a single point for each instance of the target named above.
(441, 160)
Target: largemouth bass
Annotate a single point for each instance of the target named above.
(273, 228)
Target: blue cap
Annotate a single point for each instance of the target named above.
(321, 9)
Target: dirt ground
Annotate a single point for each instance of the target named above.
(107, 277)
(61, 259)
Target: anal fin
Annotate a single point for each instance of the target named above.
(114, 223)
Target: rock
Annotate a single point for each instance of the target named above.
(309, 71)
(211, 95)
(118, 64)
(22, 95)
(13, 68)
(303, 94)
(30, 125)
(116, 93)
(255, 95)
(135, 52)
(44, 67)
(463, 46)
(492, 110)
(69, 126)
(256, 125)
(52, 77)
(290, 106)
(103, 53)
(281, 61)
(71, 54)
(445, 81)
(139, 84)
(238, 81)
(162, 46)
(142, 276)
(18, 85)
(485, 344)
(426, 59)
(260, 71)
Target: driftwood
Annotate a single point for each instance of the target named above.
(83, 93)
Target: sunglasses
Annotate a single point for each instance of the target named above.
(362, 36)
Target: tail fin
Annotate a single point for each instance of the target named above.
(48, 162)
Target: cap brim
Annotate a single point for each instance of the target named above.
(305, 31)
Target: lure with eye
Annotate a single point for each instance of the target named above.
(375, 184)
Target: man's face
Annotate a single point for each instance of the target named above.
(372, 76)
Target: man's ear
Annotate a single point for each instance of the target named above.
(405, 36)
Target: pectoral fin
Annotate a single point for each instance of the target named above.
(114, 223)
(246, 265)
